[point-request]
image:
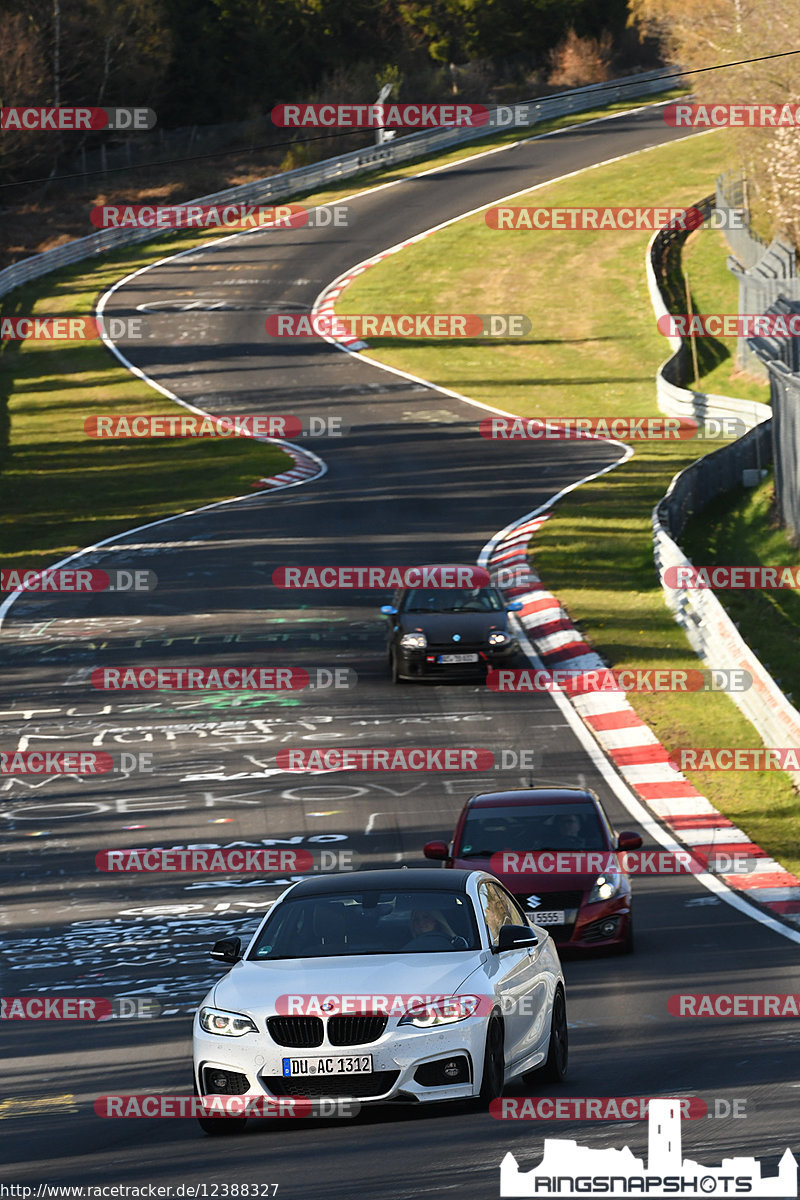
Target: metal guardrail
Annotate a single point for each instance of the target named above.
(673, 398)
(332, 170)
(709, 629)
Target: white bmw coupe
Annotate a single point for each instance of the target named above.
(406, 984)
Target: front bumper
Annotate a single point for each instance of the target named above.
(397, 1057)
(422, 664)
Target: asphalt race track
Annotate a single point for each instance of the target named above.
(410, 483)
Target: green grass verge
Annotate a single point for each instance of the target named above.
(593, 350)
(741, 527)
(60, 491)
(715, 290)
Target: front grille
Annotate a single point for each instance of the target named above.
(355, 1031)
(235, 1084)
(333, 1087)
(296, 1032)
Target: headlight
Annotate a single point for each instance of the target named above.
(442, 1010)
(498, 638)
(228, 1024)
(605, 886)
(413, 641)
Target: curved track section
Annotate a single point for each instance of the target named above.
(410, 483)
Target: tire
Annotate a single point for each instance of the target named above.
(626, 947)
(396, 677)
(220, 1126)
(555, 1068)
(492, 1080)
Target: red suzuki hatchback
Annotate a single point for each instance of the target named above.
(584, 909)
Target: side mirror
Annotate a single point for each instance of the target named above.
(436, 850)
(388, 610)
(229, 950)
(515, 937)
(629, 841)
(515, 606)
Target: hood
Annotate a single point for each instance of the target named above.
(440, 627)
(253, 987)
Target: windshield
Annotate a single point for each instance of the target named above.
(540, 827)
(368, 922)
(452, 600)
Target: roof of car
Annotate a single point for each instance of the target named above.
(396, 878)
(532, 796)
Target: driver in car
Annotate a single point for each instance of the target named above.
(429, 930)
(570, 832)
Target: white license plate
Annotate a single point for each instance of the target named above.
(457, 658)
(348, 1064)
(548, 918)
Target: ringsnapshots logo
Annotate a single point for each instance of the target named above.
(722, 116)
(627, 679)
(75, 120)
(220, 216)
(233, 860)
(203, 425)
(74, 579)
(231, 679)
(397, 325)
(568, 1169)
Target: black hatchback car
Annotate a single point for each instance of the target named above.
(447, 632)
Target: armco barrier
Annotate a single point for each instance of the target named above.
(331, 170)
(662, 265)
(705, 622)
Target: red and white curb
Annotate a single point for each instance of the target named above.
(325, 304)
(630, 744)
(305, 467)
